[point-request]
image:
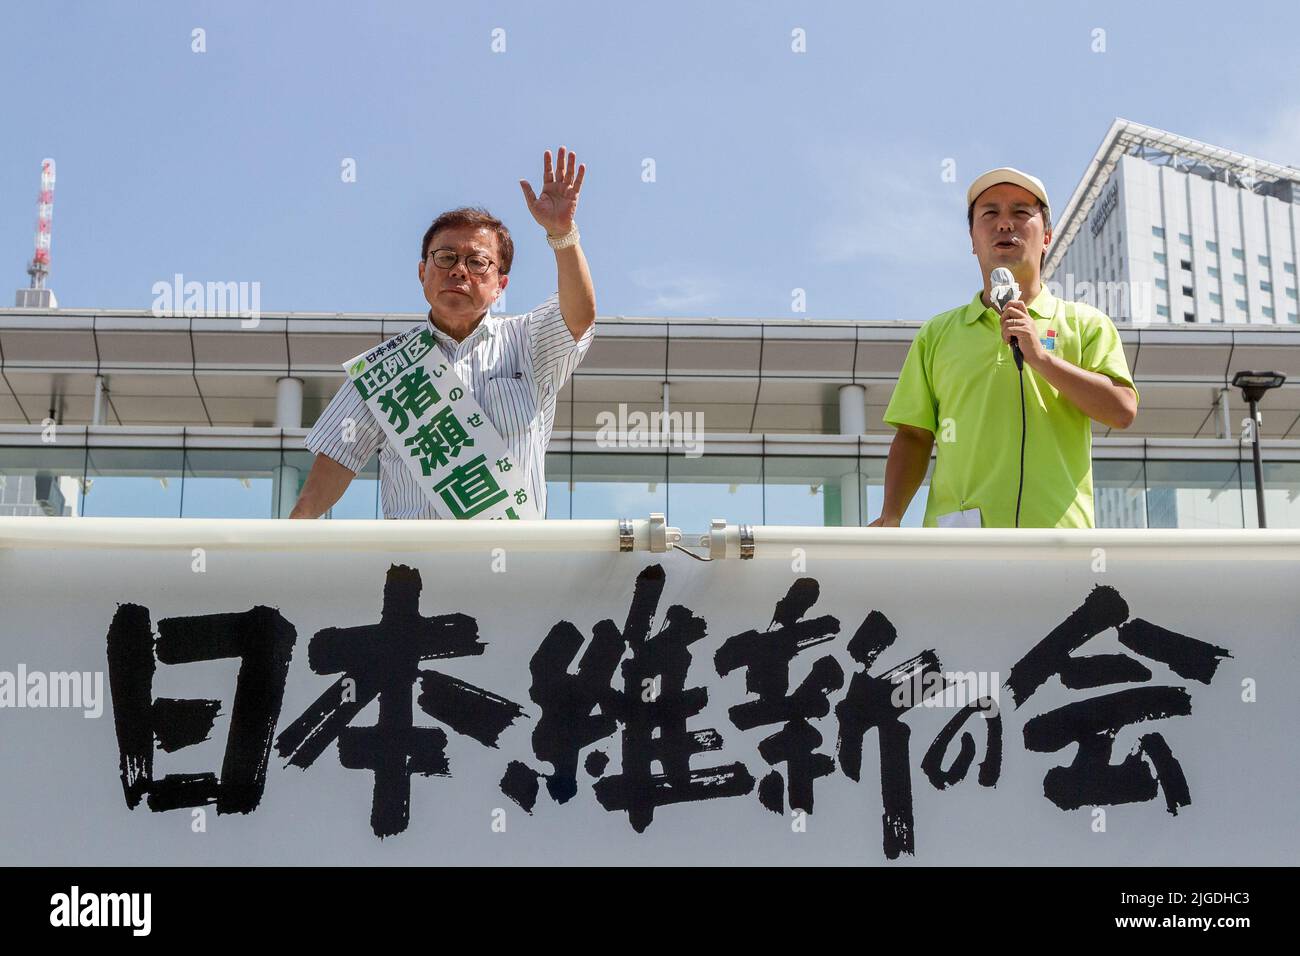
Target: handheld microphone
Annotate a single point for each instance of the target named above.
(1003, 289)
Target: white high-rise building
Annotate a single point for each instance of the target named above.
(1165, 229)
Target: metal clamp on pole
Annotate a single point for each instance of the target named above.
(746, 542)
(659, 533)
(658, 536)
(728, 540)
(716, 539)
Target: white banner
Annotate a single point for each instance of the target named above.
(425, 412)
(243, 692)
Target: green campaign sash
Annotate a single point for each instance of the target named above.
(442, 434)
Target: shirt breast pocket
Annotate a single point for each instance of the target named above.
(512, 406)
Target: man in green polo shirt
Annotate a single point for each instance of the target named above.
(960, 386)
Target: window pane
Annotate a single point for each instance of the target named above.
(811, 491)
(49, 471)
(133, 483)
(230, 483)
(1118, 494)
(1281, 494)
(559, 500)
(714, 486)
(616, 485)
(1194, 494)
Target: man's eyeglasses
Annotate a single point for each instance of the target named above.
(447, 259)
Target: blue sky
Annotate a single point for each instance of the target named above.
(774, 170)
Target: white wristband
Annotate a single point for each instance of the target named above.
(563, 242)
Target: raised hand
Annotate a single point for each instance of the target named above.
(554, 209)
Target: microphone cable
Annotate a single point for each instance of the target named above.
(1023, 428)
(1003, 281)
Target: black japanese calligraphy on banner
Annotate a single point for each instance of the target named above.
(335, 707)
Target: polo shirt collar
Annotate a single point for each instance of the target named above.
(1043, 306)
(488, 326)
(976, 308)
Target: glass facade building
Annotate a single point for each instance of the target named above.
(1138, 484)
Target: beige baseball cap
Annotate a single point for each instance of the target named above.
(1006, 174)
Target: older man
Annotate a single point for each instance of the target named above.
(1014, 445)
(513, 368)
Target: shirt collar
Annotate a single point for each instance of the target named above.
(1043, 306)
(488, 326)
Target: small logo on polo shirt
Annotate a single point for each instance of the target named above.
(1049, 340)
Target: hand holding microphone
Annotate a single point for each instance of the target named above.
(1018, 326)
(1004, 290)
(1005, 293)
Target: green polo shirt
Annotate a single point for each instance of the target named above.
(959, 382)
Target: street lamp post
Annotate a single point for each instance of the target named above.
(1253, 385)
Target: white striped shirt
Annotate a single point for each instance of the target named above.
(513, 366)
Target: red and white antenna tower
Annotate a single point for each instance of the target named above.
(40, 267)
